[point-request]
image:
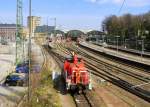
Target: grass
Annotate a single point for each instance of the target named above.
(45, 95)
(43, 92)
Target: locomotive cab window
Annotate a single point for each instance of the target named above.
(69, 59)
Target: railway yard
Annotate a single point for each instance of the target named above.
(75, 53)
(115, 82)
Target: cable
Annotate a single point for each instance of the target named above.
(2, 20)
(121, 6)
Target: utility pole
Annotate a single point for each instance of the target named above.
(125, 46)
(54, 23)
(54, 26)
(117, 43)
(19, 29)
(29, 51)
(47, 37)
(143, 46)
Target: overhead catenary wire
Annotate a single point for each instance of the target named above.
(123, 3)
(1, 20)
(6, 20)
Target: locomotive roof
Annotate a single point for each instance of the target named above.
(71, 57)
(68, 57)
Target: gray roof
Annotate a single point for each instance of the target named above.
(44, 28)
(75, 33)
(7, 25)
(95, 32)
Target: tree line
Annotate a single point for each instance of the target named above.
(128, 29)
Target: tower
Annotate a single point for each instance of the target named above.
(19, 30)
(34, 21)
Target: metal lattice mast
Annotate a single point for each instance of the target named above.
(19, 36)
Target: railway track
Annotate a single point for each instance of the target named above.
(118, 76)
(138, 67)
(81, 100)
(122, 82)
(132, 70)
(119, 82)
(121, 69)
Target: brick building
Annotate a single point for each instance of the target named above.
(7, 32)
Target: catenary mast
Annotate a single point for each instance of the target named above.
(19, 32)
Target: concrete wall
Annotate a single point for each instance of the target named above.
(7, 49)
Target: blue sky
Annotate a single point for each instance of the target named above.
(73, 14)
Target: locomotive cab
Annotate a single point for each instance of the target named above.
(75, 73)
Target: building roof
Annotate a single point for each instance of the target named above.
(34, 16)
(44, 28)
(57, 32)
(75, 33)
(95, 32)
(7, 25)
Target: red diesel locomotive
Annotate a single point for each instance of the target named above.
(75, 74)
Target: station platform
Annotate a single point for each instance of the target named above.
(122, 48)
(119, 54)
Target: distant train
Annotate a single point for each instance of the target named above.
(48, 39)
(75, 74)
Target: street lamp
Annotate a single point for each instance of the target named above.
(54, 27)
(143, 37)
(125, 45)
(54, 22)
(142, 47)
(103, 36)
(137, 42)
(117, 43)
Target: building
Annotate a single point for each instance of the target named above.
(44, 30)
(35, 21)
(25, 32)
(7, 32)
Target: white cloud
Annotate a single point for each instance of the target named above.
(130, 3)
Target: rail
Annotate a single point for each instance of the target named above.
(81, 100)
(117, 76)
